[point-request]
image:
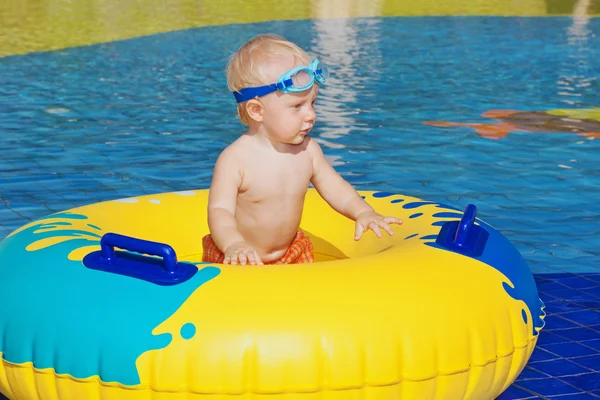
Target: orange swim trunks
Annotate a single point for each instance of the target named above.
(300, 251)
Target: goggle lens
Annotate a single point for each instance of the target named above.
(324, 70)
(302, 79)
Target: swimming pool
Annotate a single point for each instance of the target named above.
(151, 114)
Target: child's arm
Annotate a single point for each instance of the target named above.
(343, 198)
(227, 179)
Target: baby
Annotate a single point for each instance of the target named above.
(259, 182)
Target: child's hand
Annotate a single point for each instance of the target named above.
(372, 220)
(240, 251)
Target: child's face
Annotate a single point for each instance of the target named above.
(288, 117)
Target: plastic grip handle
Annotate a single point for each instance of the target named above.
(111, 240)
(465, 225)
(161, 271)
(464, 236)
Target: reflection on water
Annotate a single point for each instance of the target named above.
(351, 50)
(576, 75)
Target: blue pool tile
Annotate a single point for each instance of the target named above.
(595, 291)
(514, 393)
(556, 322)
(551, 337)
(559, 306)
(530, 373)
(591, 362)
(51, 196)
(541, 278)
(547, 297)
(77, 197)
(587, 317)
(549, 387)
(586, 382)
(549, 286)
(8, 214)
(574, 295)
(578, 334)
(593, 277)
(560, 367)
(578, 396)
(540, 354)
(589, 305)
(594, 344)
(59, 206)
(577, 282)
(571, 349)
(557, 276)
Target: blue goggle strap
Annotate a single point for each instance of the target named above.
(250, 93)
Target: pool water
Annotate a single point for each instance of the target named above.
(151, 114)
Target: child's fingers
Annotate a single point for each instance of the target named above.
(375, 228)
(253, 257)
(257, 258)
(358, 231)
(387, 228)
(250, 255)
(392, 220)
(243, 257)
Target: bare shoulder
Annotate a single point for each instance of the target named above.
(233, 154)
(229, 166)
(314, 150)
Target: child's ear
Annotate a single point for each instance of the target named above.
(255, 109)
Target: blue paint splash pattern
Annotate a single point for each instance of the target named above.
(188, 331)
(499, 253)
(87, 323)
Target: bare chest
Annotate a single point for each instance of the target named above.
(281, 176)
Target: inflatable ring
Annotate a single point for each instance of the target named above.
(446, 308)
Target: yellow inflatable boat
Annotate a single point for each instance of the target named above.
(444, 309)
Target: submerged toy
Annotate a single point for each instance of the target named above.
(581, 122)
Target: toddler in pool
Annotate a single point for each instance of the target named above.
(260, 181)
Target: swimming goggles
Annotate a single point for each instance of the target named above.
(295, 80)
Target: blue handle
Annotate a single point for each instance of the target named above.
(161, 271)
(465, 226)
(111, 240)
(464, 236)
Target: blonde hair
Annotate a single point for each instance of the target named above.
(246, 66)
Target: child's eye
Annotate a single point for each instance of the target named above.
(297, 106)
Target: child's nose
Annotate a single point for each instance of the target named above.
(311, 115)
